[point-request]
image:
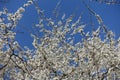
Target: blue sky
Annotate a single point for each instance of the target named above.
(109, 13)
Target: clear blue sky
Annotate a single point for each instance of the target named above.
(109, 13)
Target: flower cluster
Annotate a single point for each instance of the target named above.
(56, 55)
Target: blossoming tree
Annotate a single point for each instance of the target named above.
(56, 56)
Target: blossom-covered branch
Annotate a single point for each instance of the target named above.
(56, 55)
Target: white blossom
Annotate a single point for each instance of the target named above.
(56, 56)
